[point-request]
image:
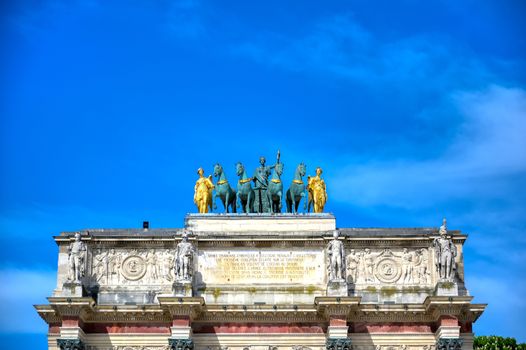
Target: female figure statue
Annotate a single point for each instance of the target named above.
(203, 192)
(317, 191)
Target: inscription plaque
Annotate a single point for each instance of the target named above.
(262, 266)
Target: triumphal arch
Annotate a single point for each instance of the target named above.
(261, 279)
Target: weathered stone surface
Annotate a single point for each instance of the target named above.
(263, 223)
(337, 288)
(258, 265)
(447, 289)
(260, 281)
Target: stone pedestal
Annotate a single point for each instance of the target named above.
(72, 289)
(446, 288)
(337, 288)
(182, 289)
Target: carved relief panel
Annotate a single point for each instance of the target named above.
(403, 266)
(117, 267)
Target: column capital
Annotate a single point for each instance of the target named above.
(181, 344)
(338, 344)
(449, 344)
(70, 344)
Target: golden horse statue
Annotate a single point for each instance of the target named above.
(203, 192)
(317, 192)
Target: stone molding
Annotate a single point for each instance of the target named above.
(182, 306)
(323, 307)
(336, 306)
(81, 307)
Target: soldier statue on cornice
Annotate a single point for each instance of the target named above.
(446, 251)
(184, 259)
(76, 259)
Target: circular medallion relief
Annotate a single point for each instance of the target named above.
(387, 270)
(133, 268)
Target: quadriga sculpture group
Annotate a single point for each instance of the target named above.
(261, 193)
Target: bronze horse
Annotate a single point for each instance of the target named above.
(245, 192)
(275, 189)
(223, 190)
(297, 190)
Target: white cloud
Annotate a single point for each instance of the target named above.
(20, 290)
(505, 314)
(489, 146)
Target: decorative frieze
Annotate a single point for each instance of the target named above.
(132, 267)
(389, 267)
(128, 347)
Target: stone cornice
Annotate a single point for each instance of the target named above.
(261, 313)
(130, 314)
(336, 306)
(48, 314)
(323, 308)
(79, 307)
(182, 306)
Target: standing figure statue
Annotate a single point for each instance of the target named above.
(336, 254)
(297, 190)
(317, 192)
(260, 179)
(368, 260)
(101, 265)
(76, 259)
(203, 192)
(223, 190)
(275, 189)
(446, 251)
(184, 259)
(353, 262)
(245, 192)
(407, 266)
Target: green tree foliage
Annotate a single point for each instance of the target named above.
(497, 343)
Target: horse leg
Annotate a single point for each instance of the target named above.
(248, 208)
(223, 200)
(280, 195)
(239, 202)
(234, 200)
(214, 200)
(296, 205)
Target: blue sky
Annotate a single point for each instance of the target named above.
(415, 110)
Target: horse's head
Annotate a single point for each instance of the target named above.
(279, 169)
(240, 169)
(218, 170)
(302, 169)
